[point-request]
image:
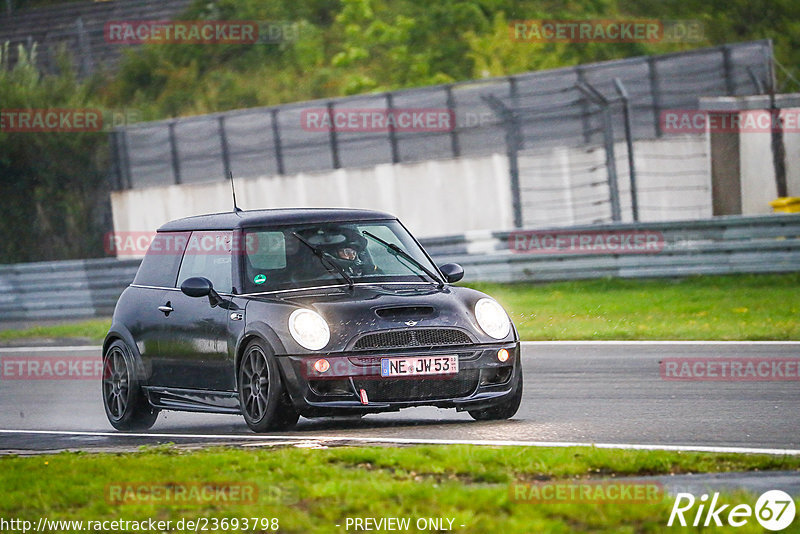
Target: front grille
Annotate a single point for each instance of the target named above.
(420, 337)
(420, 389)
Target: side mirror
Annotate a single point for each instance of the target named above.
(452, 272)
(197, 286)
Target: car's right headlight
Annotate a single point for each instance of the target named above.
(492, 318)
(309, 329)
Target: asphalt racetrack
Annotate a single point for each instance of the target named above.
(608, 393)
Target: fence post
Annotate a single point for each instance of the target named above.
(332, 137)
(585, 126)
(84, 48)
(116, 161)
(173, 145)
(223, 140)
(756, 82)
(513, 146)
(776, 136)
(276, 141)
(392, 132)
(602, 102)
(611, 164)
(730, 85)
(655, 90)
(125, 162)
(626, 112)
(513, 91)
(451, 107)
(778, 148)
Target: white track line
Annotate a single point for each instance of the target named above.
(661, 342)
(415, 441)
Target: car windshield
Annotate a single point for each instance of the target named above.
(309, 255)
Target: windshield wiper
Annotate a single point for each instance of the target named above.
(324, 257)
(397, 251)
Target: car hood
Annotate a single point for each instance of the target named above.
(369, 308)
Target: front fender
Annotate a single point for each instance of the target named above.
(261, 330)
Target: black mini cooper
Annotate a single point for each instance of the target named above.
(274, 314)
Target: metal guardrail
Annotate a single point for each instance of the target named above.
(723, 245)
(63, 289)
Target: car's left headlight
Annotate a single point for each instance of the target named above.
(309, 329)
(492, 318)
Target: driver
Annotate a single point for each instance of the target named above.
(345, 246)
(350, 254)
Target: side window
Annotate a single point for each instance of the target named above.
(159, 267)
(266, 250)
(208, 254)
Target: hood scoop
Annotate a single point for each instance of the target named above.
(405, 313)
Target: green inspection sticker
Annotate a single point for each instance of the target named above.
(259, 279)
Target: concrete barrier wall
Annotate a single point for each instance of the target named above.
(441, 197)
(432, 198)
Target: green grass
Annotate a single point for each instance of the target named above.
(94, 330)
(313, 490)
(742, 307)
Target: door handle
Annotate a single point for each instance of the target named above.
(166, 309)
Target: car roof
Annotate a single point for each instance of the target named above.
(269, 217)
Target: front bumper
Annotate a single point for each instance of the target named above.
(482, 380)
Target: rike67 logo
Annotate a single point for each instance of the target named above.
(774, 510)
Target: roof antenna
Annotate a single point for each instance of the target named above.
(236, 208)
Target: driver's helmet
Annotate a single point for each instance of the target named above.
(344, 244)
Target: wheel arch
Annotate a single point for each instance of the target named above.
(258, 330)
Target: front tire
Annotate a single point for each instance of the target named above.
(504, 410)
(264, 403)
(126, 405)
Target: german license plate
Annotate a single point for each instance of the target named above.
(422, 365)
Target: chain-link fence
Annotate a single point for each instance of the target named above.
(78, 28)
(600, 178)
(278, 140)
